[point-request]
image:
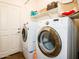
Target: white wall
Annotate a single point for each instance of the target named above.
(34, 5)
(15, 2)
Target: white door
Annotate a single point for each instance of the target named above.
(9, 24)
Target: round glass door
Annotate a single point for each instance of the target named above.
(49, 42)
(24, 34)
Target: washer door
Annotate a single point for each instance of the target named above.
(24, 34)
(49, 42)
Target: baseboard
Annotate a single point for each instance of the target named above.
(8, 52)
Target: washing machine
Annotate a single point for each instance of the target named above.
(24, 39)
(28, 34)
(56, 39)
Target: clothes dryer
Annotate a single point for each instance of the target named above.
(29, 36)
